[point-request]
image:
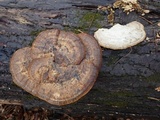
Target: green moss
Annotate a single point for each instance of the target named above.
(111, 102)
(84, 21)
(117, 103)
(120, 94)
(30, 44)
(118, 98)
(90, 19)
(153, 78)
(97, 90)
(73, 29)
(112, 60)
(35, 32)
(29, 97)
(102, 74)
(14, 85)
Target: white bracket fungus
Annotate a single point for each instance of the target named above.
(121, 36)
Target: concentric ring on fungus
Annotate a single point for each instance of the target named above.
(60, 67)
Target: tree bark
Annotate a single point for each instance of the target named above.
(126, 83)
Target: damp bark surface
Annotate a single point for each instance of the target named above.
(127, 80)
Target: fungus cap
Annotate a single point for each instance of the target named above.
(121, 36)
(60, 67)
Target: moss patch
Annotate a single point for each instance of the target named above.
(114, 99)
(112, 60)
(73, 29)
(90, 19)
(117, 103)
(84, 21)
(102, 74)
(30, 97)
(120, 94)
(153, 78)
(35, 32)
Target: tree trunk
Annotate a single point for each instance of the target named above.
(128, 78)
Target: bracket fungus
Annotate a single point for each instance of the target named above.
(121, 36)
(60, 67)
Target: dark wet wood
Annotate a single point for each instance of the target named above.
(125, 88)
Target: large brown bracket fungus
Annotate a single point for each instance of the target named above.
(60, 67)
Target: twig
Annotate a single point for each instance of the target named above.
(13, 102)
(80, 31)
(152, 98)
(68, 117)
(146, 19)
(124, 56)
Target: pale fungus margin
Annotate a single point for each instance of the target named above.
(121, 36)
(60, 67)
